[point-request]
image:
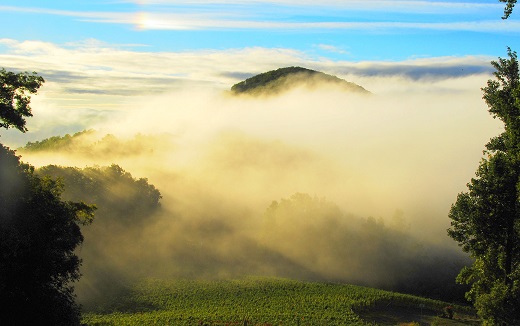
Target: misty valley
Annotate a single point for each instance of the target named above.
(259, 163)
(295, 198)
(138, 235)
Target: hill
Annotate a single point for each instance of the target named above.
(268, 301)
(90, 143)
(277, 81)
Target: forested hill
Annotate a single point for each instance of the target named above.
(276, 81)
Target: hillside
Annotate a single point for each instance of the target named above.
(283, 79)
(90, 143)
(268, 301)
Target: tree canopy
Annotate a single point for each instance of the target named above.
(508, 10)
(486, 219)
(125, 207)
(354, 246)
(38, 235)
(15, 90)
(39, 232)
(90, 143)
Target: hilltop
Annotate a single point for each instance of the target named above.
(277, 81)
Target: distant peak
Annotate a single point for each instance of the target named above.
(277, 81)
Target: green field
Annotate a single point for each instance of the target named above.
(266, 301)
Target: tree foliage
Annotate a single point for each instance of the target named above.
(121, 199)
(486, 219)
(90, 143)
(39, 232)
(15, 99)
(508, 10)
(38, 235)
(316, 227)
(126, 206)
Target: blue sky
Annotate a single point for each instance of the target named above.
(337, 30)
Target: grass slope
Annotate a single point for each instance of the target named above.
(264, 301)
(277, 81)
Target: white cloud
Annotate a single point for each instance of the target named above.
(92, 76)
(92, 66)
(332, 48)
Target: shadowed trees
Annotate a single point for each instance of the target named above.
(39, 232)
(38, 235)
(126, 206)
(334, 245)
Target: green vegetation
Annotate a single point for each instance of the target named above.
(486, 219)
(56, 142)
(15, 99)
(276, 81)
(91, 143)
(39, 232)
(125, 206)
(319, 231)
(254, 301)
(120, 197)
(508, 10)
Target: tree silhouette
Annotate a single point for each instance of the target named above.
(15, 98)
(38, 230)
(508, 10)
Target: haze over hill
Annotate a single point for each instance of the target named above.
(277, 81)
(302, 236)
(362, 185)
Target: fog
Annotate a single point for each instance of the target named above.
(379, 172)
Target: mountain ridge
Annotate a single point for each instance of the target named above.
(282, 79)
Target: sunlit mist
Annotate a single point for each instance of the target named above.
(379, 171)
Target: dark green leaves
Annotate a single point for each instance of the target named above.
(39, 233)
(508, 10)
(15, 90)
(485, 220)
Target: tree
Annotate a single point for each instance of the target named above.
(508, 10)
(38, 235)
(126, 205)
(486, 219)
(38, 232)
(15, 98)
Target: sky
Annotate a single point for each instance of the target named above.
(332, 29)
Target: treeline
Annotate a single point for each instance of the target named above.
(125, 205)
(56, 142)
(302, 237)
(92, 143)
(374, 254)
